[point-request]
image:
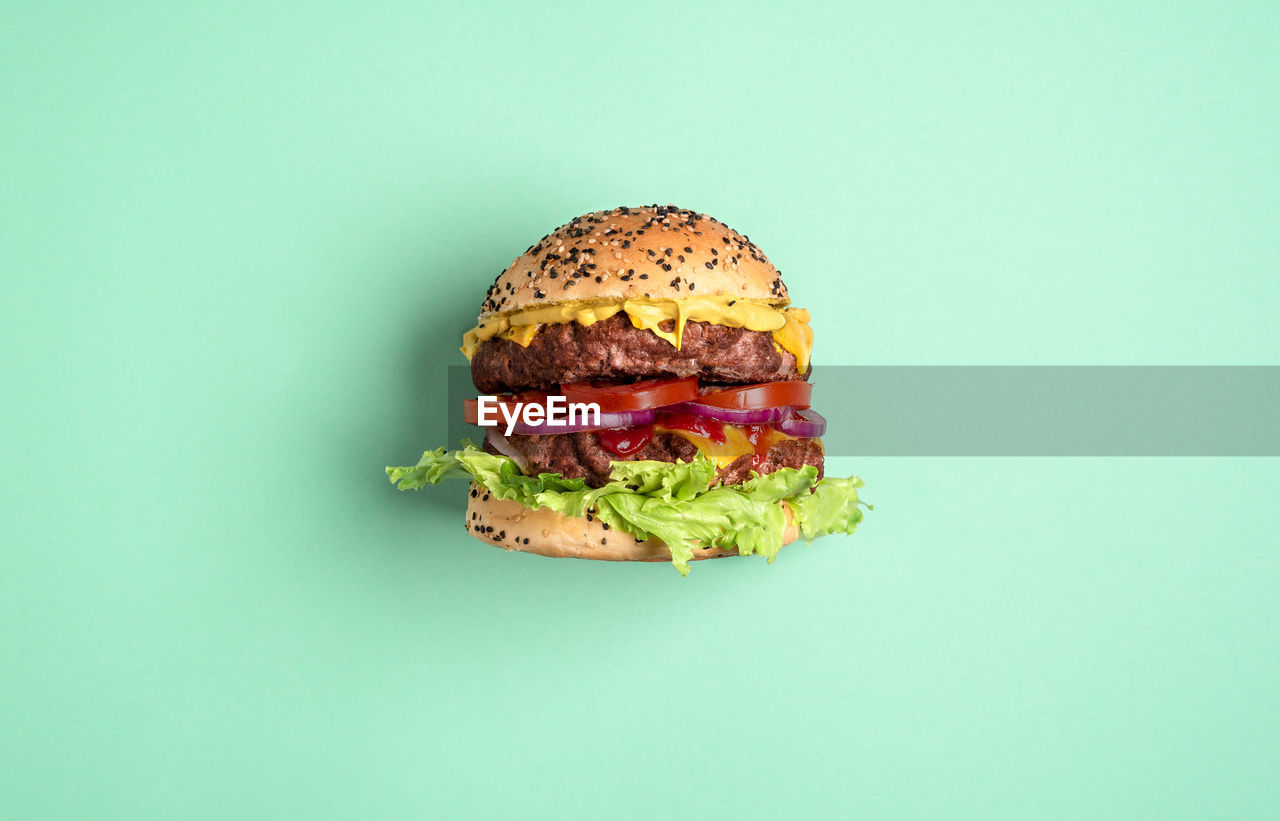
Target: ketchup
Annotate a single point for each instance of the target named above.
(625, 442)
(706, 428)
(759, 438)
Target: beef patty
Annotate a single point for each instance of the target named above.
(615, 349)
(580, 455)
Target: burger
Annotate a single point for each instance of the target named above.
(674, 339)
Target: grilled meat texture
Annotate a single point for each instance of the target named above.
(580, 455)
(613, 349)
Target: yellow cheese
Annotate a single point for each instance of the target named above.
(735, 444)
(522, 335)
(789, 326)
(584, 313)
(796, 336)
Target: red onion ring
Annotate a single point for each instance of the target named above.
(734, 416)
(502, 445)
(805, 424)
(627, 419)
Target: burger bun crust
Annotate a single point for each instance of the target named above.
(510, 525)
(650, 252)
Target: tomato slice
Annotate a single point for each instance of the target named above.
(650, 393)
(765, 395)
(471, 407)
(662, 393)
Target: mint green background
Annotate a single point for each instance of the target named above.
(238, 246)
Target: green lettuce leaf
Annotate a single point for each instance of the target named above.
(675, 502)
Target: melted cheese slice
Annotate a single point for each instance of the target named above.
(789, 326)
(735, 444)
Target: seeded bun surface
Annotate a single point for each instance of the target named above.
(654, 251)
(512, 526)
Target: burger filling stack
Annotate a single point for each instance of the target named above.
(643, 385)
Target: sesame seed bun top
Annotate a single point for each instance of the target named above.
(654, 252)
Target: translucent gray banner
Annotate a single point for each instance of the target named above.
(1028, 411)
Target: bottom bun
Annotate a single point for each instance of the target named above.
(512, 526)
